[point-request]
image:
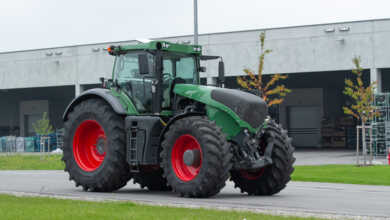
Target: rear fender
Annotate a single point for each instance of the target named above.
(114, 100)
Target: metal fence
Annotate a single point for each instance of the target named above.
(12, 144)
(381, 124)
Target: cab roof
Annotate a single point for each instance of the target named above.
(157, 45)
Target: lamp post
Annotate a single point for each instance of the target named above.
(195, 22)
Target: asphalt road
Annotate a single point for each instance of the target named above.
(299, 198)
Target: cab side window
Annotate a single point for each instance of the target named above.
(137, 86)
(185, 69)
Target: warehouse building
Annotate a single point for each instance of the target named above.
(316, 58)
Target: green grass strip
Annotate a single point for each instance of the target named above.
(351, 174)
(48, 208)
(31, 162)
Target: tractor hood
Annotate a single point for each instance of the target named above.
(242, 106)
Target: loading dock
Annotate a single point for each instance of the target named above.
(23, 107)
(312, 112)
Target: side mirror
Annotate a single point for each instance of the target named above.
(221, 74)
(143, 64)
(103, 82)
(202, 69)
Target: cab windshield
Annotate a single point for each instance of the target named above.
(180, 66)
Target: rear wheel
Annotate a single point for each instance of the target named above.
(94, 147)
(196, 157)
(273, 178)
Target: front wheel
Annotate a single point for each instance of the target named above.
(273, 178)
(94, 147)
(196, 157)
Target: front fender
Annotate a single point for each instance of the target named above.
(225, 121)
(104, 94)
(175, 118)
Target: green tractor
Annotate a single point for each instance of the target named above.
(154, 123)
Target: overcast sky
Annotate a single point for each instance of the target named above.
(30, 24)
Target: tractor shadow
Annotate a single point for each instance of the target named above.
(236, 196)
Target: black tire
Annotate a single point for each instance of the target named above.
(215, 164)
(113, 171)
(153, 180)
(273, 178)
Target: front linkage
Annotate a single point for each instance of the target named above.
(255, 150)
(267, 161)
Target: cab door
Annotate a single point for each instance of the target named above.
(137, 80)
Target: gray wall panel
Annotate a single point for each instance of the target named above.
(295, 50)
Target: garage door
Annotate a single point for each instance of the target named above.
(304, 124)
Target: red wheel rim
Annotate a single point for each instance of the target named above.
(182, 144)
(89, 145)
(252, 175)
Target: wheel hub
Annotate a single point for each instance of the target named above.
(192, 157)
(101, 145)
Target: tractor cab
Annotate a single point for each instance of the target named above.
(148, 72)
